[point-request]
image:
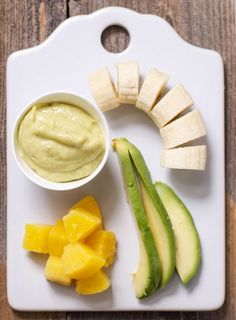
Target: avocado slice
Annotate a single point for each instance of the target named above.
(158, 218)
(147, 277)
(188, 248)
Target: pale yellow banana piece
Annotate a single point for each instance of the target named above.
(192, 158)
(128, 82)
(103, 89)
(187, 128)
(151, 89)
(172, 104)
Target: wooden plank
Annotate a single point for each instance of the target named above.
(24, 24)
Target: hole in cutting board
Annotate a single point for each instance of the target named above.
(115, 39)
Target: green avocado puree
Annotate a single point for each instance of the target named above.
(61, 142)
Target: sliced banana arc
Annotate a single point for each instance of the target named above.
(171, 105)
(191, 158)
(128, 82)
(103, 89)
(174, 132)
(151, 89)
(183, 130)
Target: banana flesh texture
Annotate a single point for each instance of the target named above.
(191, 158)
(184, 129)
(128, 82)
(174, 132)
(103, 89)
(171, 105)
(151, 89)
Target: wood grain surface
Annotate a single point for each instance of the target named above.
(206, 23)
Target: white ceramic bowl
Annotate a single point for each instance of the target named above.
(77, 100)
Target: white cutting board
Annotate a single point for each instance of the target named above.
(63, 62)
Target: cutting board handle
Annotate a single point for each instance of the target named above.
(139, 26)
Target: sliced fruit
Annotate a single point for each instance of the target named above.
(54, 271)
(147, 277)
(80, 261)
(104, 243)
(57, 239)
(192, 158)
(173, 103)
(36, 237)
(103, 89)
(157, 216)
(128, 82)
(151, 89)
(97, 283)
(90, 204)
(79, 224)
(183, 130)
(188, 249)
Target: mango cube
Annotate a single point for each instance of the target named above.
(90, 204)
(36, 237)
(79, 223)
(54, 271)
(97, 283)
(104, 243)
(80, 261)
(57, 239)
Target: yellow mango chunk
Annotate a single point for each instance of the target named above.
(79, 223)
(57, 239)
(104, 243)
(97, 283)
(90, 204)
(54, 271)
(80, 261)
(36, 237)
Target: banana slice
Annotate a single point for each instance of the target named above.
(151, 89)
(128, 82)
(192, 158)
(185, 129)
(103, 90)
(172, 104)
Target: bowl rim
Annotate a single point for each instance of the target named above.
(34, 176)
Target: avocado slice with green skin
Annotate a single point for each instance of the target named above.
(148, 274)
(188, 248)
(158, 218)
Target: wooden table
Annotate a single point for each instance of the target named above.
(205, 23)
